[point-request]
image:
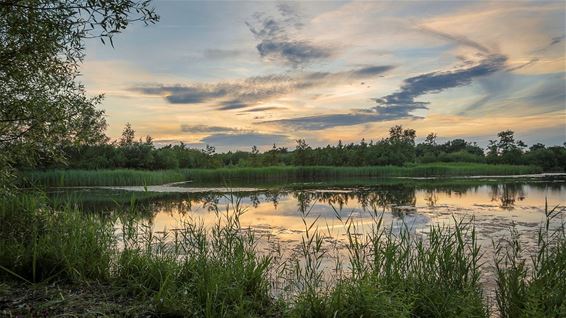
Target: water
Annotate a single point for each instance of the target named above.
(278, 213)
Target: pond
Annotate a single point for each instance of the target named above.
(279, 214)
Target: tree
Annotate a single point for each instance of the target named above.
(430, 139)
(507, 142)
(128, 136)
(492, 151)
(537, 146)
(255, 155)
(506, 149)
(402, 145)
(42, 105)
(300, 152)
(209, 150)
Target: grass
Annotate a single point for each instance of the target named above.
(117, 177)
(534, 287)
(217, 271)
(125, 177)
(321, 172)
(200, 272)
(395, 275)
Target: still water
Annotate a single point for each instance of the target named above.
(278, 213)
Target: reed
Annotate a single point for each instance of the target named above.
(217, 271)
(126, 177)
(117, 177)
(403, 275)
(533, 286)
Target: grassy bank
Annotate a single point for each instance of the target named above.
(219, 272)
(124, 177)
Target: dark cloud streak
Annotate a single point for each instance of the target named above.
(399, 105)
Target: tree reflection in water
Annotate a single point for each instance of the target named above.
(507, 194)
(374, 198)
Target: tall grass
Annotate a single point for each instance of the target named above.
(125, 177)
(400, 275)
(217, 271)
(282, 173)
(534, 287)
(196, 272)
(117, 177)
(38, 244)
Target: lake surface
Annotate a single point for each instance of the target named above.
(278, 213)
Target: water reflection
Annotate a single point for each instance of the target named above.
(375, 198)
(431, 198)
(507, 194)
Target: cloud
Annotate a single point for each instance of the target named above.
(250, 91)
(399, 105)
(262, 109)
(232, 104)
(245, 139)
(219, 54)
(459, 39)
(207, 129)
(292, 52)
(361, 116)
(436, 82)
(279, 42)
(180, 94)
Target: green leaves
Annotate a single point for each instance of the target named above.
(43, 107)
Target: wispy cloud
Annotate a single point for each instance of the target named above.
(279, 42)
(218, 54)
(263, 109)
(228, 136)
(458, 39)
(250, 91)
(336, 120)
(245, 139)
(207, 129)
(400, 104)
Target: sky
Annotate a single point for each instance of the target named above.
(236, 74)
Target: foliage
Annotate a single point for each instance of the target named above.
(42, 105)
(398, 149)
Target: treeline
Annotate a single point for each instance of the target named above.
(399, 148)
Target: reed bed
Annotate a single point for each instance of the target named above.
(115, 177)
(126, 177)
(217, 271)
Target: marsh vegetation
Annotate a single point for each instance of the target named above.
(217, 270)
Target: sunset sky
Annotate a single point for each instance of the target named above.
(236, 74)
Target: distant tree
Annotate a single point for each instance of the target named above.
(128, 136)
(148, 140)
(507, 142)
(209, 150)
(506, 149)
(301, 152)
(537, 146)
(492, 151)
(272, 158)
(402, 145)
(255, 151)
(430, 139)
(255, 156)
